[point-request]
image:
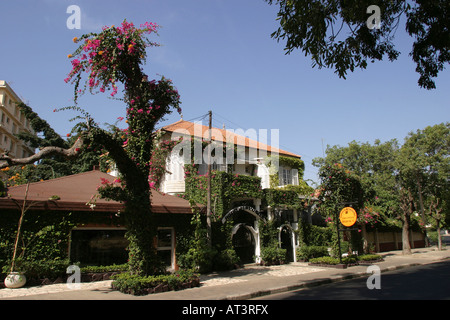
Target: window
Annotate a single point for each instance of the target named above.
(295, 177)
(165, 245)
(285, 176)
(288, 176)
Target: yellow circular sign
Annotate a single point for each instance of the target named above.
(348, 216)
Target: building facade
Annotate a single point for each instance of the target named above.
(12, 122)
(238, 159)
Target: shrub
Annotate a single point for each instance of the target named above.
(334, 261)
(325, 260)
(226, 260)
(39, 269)
(141, 285)
(273, 255)
(370, 257)
(111, 268)
(199, 259)
(308, 252)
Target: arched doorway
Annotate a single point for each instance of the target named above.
(286, 239)
(244, 243)
(245, 233)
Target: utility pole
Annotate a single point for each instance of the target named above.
(208, 196)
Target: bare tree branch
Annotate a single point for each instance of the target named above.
(7, 161)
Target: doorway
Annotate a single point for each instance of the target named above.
(244, 244)
(286, 242)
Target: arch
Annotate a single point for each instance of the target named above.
(290, 243)
(245, 241)
(247, 209)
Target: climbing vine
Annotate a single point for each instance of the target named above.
(106, 59)
(274, 162)
(224, 188)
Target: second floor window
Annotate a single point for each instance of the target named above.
(288, 176)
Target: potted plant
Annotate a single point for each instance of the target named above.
(16, 278)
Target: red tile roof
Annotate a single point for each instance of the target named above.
(76, 190)
(198, 130)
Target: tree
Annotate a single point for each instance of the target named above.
(339, 188)
(335, 34)
(108, 58)
(361, 173)
(56, 165)
(424, 165)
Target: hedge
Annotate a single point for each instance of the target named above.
(305, 253)
(142, 285)
(346, 260)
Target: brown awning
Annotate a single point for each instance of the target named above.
(75, 191)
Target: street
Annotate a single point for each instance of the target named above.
(425, 282)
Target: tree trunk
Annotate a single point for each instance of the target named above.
(406, 246)
(364, 236)
(439, 236)
(406, 203)
(142, 257)
(422, 211)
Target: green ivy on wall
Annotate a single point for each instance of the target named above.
(291, 162)
(224, 188)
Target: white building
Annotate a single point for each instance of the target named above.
(12, 121)
(249, 157)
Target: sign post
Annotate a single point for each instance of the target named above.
(347, 217)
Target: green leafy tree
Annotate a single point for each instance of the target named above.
(364, 174)
(424, 166)
(56, 165)
(335, 34)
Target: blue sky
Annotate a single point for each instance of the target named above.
(221, 57)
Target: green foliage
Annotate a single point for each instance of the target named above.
(224, 188)
(369, 257)
(199, 255)
(41, 128)
(283, 198)
(273, 254)
(346, 260)
(40, 269)
(274, 162)
(111, 268)
(141, 285)
(43, 237)
(324, 260)
(268, 233)
(116, 55)
(333, 261)
(225, 260)
(316, 235)
(334, 34)
(306, 253)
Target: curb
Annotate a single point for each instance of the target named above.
(319, 282)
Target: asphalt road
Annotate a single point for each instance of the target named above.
(425, 282)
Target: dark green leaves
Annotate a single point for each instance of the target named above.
(334, 33)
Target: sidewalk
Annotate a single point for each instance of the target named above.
(241, 284)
